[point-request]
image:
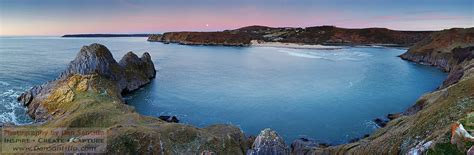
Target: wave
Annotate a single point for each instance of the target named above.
(10, 110)
(332, 55)
(371, 124)
(4, 83)
(304, 55)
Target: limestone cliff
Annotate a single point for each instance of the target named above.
(447, 50)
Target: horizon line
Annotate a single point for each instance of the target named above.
(216, 30)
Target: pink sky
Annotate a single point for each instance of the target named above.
(66, 18)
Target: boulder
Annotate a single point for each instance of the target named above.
(269, 142)
(169, 119)
(306, 146)
(380, 122)
(394, 116)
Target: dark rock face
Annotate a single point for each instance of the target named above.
(169, 119)
(130, 74)
(358, 138)
(269, 142)
(380, 122)
(137, 71)
(306, 146)
(394, 116)
(463, 54)
(32, 98)
(95, 58)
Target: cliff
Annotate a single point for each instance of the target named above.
(88, 94)
(326, 35)
(207, 38)
(446, 50)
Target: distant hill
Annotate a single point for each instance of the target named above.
(104, 35)
(326, 35)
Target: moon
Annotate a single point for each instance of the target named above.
(207, 25)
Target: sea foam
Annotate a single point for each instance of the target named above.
(4, 83)
(332, 55)
(11, 108)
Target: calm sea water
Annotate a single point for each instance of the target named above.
(327, 95)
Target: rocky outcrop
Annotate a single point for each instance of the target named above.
(302, 146)
(310, 35)
(32, 98)
(445, 49)
(269, 142)
(449, 50)
(131, 73)
(169, 119)
(137, 71)
(95, 58)
(88, 94)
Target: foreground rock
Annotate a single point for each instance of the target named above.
(380, 122)
(327, 35)
(169, 119)
(88, 94)
(269, 142)
(305, 146)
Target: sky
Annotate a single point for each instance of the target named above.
(58, 17)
